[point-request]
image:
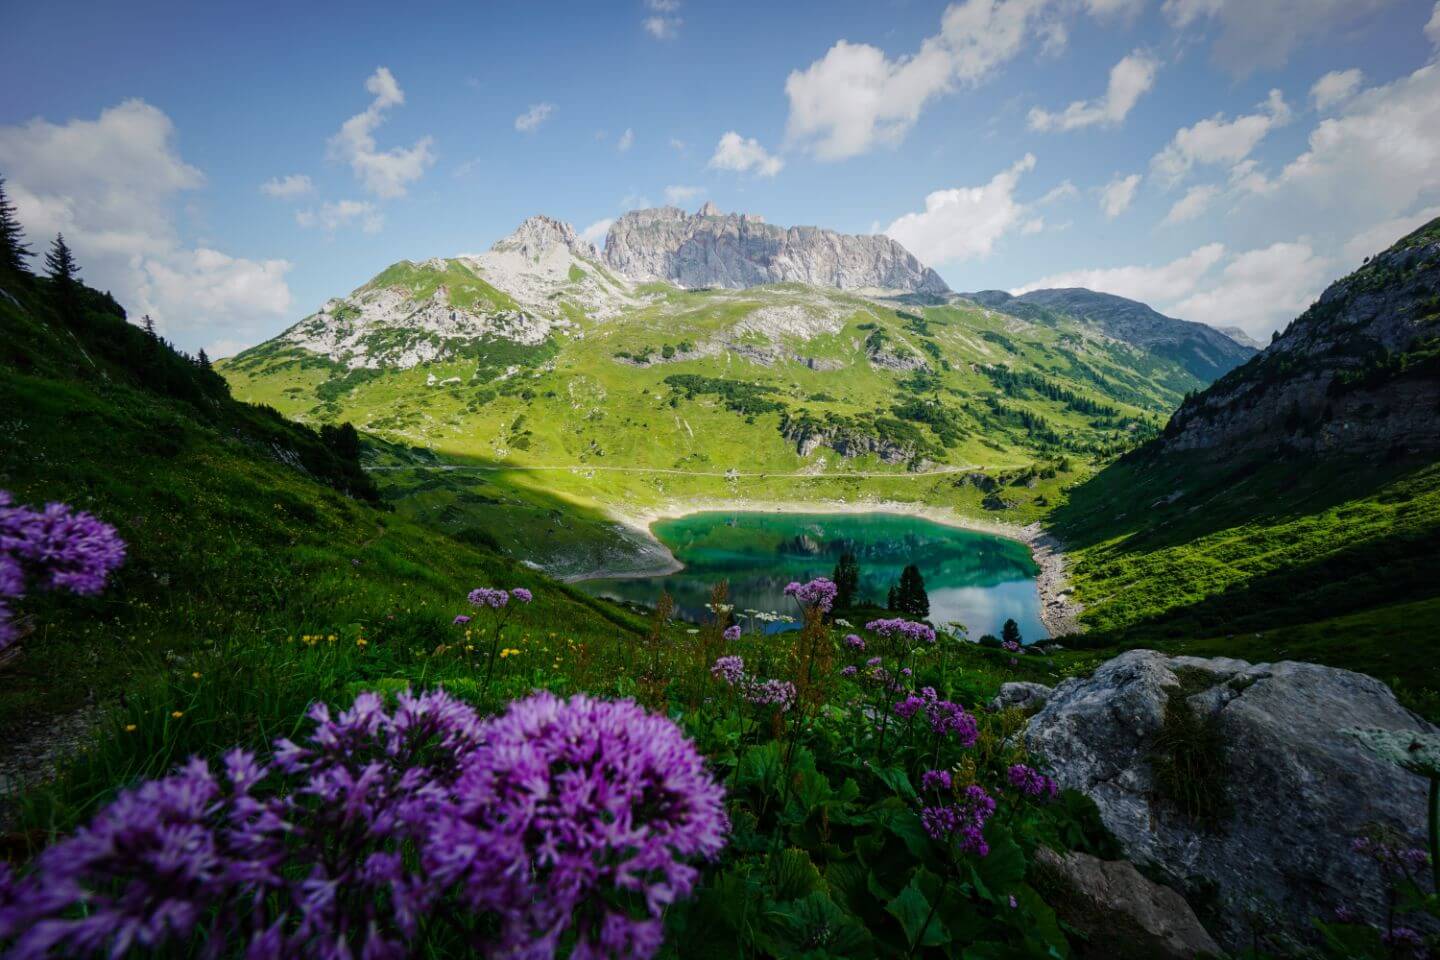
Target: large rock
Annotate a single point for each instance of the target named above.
(1122, 915)
(1296, 790)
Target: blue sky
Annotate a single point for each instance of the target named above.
(1220, 159)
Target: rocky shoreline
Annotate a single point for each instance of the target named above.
(1059, 610)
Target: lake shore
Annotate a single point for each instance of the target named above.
(1059, 611)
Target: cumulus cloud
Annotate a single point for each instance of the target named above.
(382, 172)
(626, 141)
(679, 196)
(1154, 285)
(1194, 203)
(1117, 195)
(1260, 290)
(1218, 140)
(1335, 87)
(295, 185)
(341, 214)
(965, 223)
(662, 22)
(742, 155)
(530, 120)
(595, 233)
(1064, 191)
(1254, 35)
(110, 184)
(1373, 239)
(1130, 79)
(1432, 27)
(856, 96)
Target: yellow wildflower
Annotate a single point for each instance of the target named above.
(196, 675)
(129, 728)
(177, 714)
(361, 642)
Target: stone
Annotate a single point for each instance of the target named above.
(1297, 789)
(1121, 914)
(1021, 694)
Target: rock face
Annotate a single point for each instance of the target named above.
(1297, 791)
(1123, 915)
(1358, 372)
(711, 249)
(1204, 351)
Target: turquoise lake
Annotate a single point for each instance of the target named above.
(976, 579)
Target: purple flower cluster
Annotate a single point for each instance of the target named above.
(521, 594)
(849, 671)
(732, 632)
(962, 822)
(946, 717)
(730, 669)
(898, 628)
(488, 597)
(855, 642)
(55, 548)
(771, 693)
(1012, 646)
(1032, 783)
(936, 780)
(1394, 856)
(532, 823)
(818, 593)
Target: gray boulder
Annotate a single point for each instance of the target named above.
(1294, 790)
(1021, 694)
(1122, 915)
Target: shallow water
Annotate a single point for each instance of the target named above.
(976, 579)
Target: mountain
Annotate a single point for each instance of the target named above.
(711, 249)
(1358, 372)
(1204, 351)
(1241, 337)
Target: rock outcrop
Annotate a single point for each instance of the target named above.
(1359, 372)
(1296, 790)
(711, 249)
(1120, 914)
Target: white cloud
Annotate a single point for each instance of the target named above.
(1130, 79)
(678, 196)
(335, 216)
(1114, 8)
(678, 145)
(856, 96)
(1152, 285)
(530, 120)
(662, 24)
(595, 233)
(1260, 290)
(1219, 141)
(1432, 27)
(383, 172)
(1117, 195)
(626, 141)
(1064, 191)
(965, 223)
(295, 185)
(110, 185)
(1371, 241)
(1194, 203)
(1255, 34)
(742, 155)
(1335, 87)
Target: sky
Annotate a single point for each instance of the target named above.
(227, 168)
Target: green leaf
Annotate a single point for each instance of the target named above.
(761, 768)
(921, 923)
(1004, 867)
(897, 780)
(794, 875)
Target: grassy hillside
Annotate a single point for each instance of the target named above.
(243, 537)
(773, 393)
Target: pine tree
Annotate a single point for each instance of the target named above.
(60, 264)
(847, 580)
(910, 596)
(148, 326)
(1010, 633)
(202, 361)
(892, 599)
(13, 250)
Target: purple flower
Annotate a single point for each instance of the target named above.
(521, 594)
(908, 707)
(945, 718)
(905, 671)
(1032, 783)
(732, 632)
(818, 593)
(849, 671)
(771, 693)
(854, 642)
(1011, 645)
(873, 662)
(935, 780)
(487, 597)
(896, 627)
(58, 547)
(461, 619)
(963, 822)
(573, 808)
(730, 669)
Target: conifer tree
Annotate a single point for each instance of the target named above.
(13, 250)
(1010, 632)
(847, 580)
(910, 596)
(202, 361)
(60, 264)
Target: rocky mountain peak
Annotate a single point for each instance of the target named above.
(540, 234)
(737, 250)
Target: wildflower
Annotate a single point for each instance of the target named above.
(177, 714)
(963, 822)
(361, 642)
(730, 669)
(130, 728)
(195, 675)
(771, 693)
(1013, 902)
(854, 642)
(1012, 646)
(935, 780)
(894, 627)
(873, 662)
(521, 594)
(842, 622)
(486, 597)
(849, 671)
(1031, 782)
(945, 717)
(732, 632)
(818, 593)
(461, 619)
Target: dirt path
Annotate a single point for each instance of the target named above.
(724, 474)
